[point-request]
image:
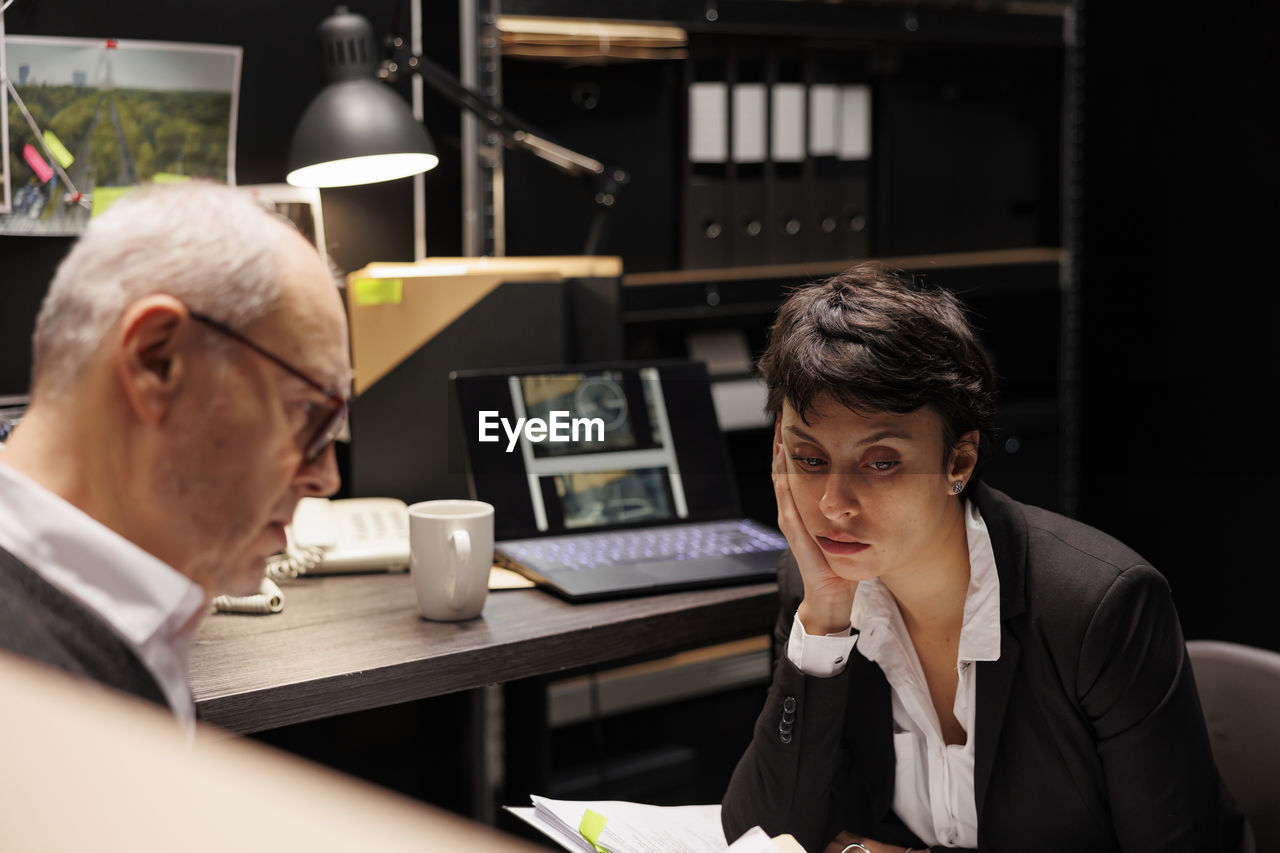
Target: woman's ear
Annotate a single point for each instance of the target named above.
(964, 457)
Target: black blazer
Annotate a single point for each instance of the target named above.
(1089, 731)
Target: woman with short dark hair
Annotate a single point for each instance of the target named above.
(959, 670)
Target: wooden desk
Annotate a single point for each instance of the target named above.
(352, 643)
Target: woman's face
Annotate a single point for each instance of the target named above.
(874, 490)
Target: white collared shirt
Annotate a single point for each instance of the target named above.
(933, 791)
(149, 604)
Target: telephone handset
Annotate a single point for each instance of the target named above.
(352, 535)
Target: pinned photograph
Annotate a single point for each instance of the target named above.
(89, 118)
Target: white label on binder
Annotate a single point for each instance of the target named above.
(748, 123)
(788, 122)
(708, 111)
(824, 114)
(855, 122)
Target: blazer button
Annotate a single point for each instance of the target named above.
(784, 728)
(789, 704)
(785, 738)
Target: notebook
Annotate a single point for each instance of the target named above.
(609, 479)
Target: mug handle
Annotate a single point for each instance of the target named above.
(461, 542)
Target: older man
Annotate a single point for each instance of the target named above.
(190, 374)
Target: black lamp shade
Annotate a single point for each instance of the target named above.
(357, 130)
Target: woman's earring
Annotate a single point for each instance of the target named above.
(957, 488)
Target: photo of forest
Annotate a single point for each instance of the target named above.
(112, 114)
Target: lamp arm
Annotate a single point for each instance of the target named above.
(506, 123)
(607, 180)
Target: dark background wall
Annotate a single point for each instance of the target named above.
(1178, 454)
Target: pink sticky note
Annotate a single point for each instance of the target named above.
(37, 163)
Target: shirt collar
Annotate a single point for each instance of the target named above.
(143, 599)
(876, 617)
(980, 633)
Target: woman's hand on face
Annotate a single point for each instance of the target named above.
(828, 598)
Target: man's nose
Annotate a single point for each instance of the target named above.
(840, 495)
(319, 477)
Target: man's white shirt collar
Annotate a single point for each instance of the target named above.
(149, 604)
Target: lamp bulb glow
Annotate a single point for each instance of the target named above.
(362, 170)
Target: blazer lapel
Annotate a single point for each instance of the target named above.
(869, 731)
(1007, 527)
(995, 678)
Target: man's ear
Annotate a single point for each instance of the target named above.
(964, 457)
(150, 359)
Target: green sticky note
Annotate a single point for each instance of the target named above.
(379, 291)
(591, 827)
(58, 150)
(104, 197)
(168, 178)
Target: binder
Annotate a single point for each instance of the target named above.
(826, 211)
(704, 230)
(853, 154)
(789, 211)
(748, 243)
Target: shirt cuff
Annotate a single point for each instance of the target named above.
(819, 655)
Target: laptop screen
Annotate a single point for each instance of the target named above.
(574, 448)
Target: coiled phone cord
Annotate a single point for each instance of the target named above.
(268, 599)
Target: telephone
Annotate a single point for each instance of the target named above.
(352, 535)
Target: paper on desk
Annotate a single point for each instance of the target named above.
(756, 840)
(574, 842)
(500, 578)
(629, 827)
(530, 815)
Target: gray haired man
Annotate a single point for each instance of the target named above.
(190, 374)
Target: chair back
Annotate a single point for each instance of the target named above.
(1240, 693)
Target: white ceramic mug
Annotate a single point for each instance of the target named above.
(450, 553)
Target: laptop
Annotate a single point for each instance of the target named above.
(609, 480)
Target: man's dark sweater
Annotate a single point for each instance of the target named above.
(40, 622)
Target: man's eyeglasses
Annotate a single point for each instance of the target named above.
(324, 424)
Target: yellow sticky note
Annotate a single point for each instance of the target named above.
(104, 197)
(379, 291)
(591, 826)
(58, 150)
(168, 178)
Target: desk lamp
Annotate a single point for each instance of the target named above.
(357, 131)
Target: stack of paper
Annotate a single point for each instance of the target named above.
(620, 827)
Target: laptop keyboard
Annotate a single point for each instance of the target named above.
(656, 544)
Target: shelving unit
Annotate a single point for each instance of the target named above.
(795, 272)
(1005, 73)
(1025, 22)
